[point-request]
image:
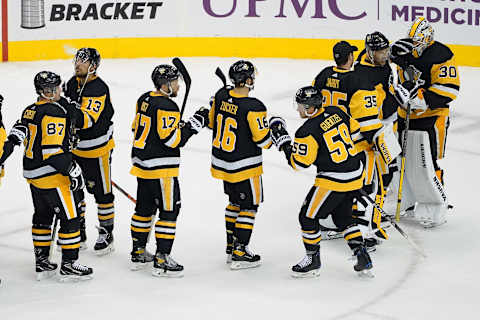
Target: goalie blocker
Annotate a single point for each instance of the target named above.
(421, 185)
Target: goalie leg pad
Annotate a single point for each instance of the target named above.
(422, 179)
(387, 143)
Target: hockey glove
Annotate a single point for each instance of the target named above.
(18, 133)
(402, 95)
(418, 103)
(76, 178)
(401, 47)
(199, 120)
(278, 132)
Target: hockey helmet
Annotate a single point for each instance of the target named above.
(309, 97)
(422, 34)
(163, 74)
(376, 41)
(46, 81)
(240, 71)
(88, 55)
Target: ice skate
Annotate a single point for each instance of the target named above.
(44, 268)
(140, 258)
(104, 244)
(229, 251)
(165, 266)
(364, 263)
(71, 271)
(309, 267)
(243, 258)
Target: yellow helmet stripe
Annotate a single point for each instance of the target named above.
(414, 27)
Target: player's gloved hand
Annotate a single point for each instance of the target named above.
(18, 133)
(76, 178)
(199, 120)
(401, 47)
(402, 95)
(278, 132)
(418, 103)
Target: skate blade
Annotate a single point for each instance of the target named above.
(104, 252)
(304, 275)
(238, 265)
(74, 278)
(167, 274)
(136, 266)
(366, 274)
(45, 275)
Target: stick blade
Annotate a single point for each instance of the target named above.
(181, 68)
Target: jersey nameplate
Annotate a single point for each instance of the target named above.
(229, 107)
(330, 122)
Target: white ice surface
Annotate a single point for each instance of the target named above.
(443, 286)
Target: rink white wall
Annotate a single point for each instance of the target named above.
(248, 28)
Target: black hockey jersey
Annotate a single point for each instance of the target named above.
(334, 85)
(47, 154)
(327, 141)
(94, 119)
(157, 137)
(379, 77)
(240, 131)
(438, 68)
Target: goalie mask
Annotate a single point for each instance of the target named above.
(308, 97)
(421, 32)
(46, 84)
(165, 74)
(240, 72)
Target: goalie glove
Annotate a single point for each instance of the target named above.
(402, 95)
(278, 132)
(18, 133)
(401, 47)
(199, 120)
(76, 178)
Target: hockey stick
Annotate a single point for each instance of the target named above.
(394, 223)
(221, 75)
(186, 77)
(125, 193)
(402, 167)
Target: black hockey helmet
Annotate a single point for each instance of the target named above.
(46, 81)
(240, 71)
(163, 74)
(88, 55)
(376, 41)
(309, 96)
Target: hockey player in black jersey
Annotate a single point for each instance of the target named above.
(240, 131)
(3, 137)
(53, 177)
(159, 135)
(94, 129)
(433, 63)
(327, 140)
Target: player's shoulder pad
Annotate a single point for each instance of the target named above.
(96, 88)
(305, 129)
(255, 105)
(165, 103)
(320, 78)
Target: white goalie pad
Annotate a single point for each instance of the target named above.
(387, 143)
(421, 184)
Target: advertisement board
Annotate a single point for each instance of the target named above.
(265, 28)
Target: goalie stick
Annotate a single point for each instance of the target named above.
(186, 77)
(394, 223)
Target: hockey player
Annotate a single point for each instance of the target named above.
(53, 177)
(433, 63)
(159, 135)
(94, 129)
(240, 131)
(327, 140)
